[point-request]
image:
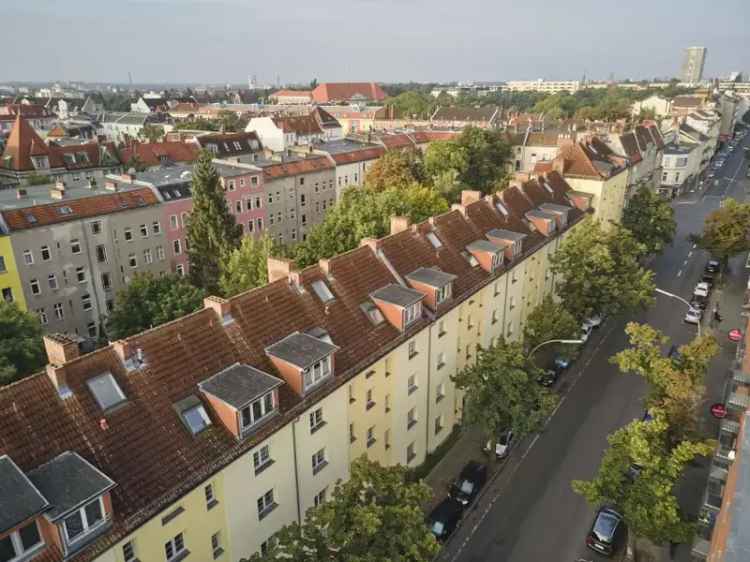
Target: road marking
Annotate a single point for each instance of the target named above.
(679, 273)
(690, 255)
(694, 245)
(685, 262)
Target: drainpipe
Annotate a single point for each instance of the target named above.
(429, 379)
(296, 469)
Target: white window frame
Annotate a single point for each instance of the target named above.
(81, 274)
(177, 247)
(443, 293)
(127, 234)
(160, 253)
(412, 313)
(316, 373)
(28, 257)
(156, 228)
(316, 419)
(42, 313)
(133, 554)
(265, 410)
(148, 258)
(264, 504)
(262, 457)
(319, 460)
(46, 249)
(36, 288)
(59, 311)
(173, 544)
(143, 230)
(15, 541)
(87, 529)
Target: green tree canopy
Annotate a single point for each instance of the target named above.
(726, 232)
(486, 153)
(149, 301)
(21, 347)
(212, 232)
(412, 105)
(376, 516)
(364, 213)
(395, 169)
(198, 124)
(152, 133)
(599, 271)
(246, 267)
(502, 391)
(549, 321)
(650, 219)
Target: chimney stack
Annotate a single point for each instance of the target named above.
(220, 306)
(399, 224)
(468, 196)
(21, 193)
(279, 268)
(60, 348)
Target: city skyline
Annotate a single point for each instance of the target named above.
(219, 41)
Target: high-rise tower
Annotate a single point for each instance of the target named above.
(692, 65)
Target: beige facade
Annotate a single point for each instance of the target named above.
(608, 195)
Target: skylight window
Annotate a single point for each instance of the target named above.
(30, 217)
(434, 240)
(196, 419)
(65, 210)
(106, 391)
(470, 258)
(373, 313)
(322, 290)
(501, 208)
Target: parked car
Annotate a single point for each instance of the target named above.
(561, 361)
(549, 376)
(701, 289)
(693, 315)
(586, 330)
(468, 484)
(444, 518)
(712, 266)
(699, 302)
(503, 444)
(595, 321)
(606, 532)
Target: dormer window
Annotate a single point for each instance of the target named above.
(40, 162)
(316, 373)
(303, 360)
(106, 391)
(412, 313)
(512, 242)
(443, 294)
(469, 258)
(83, 521)
(487, 254)
(21, 543)
(257, 411)
(401, 305)
(434, 284)
(500, 207)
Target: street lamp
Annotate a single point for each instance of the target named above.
(679, 298)
(567, 342)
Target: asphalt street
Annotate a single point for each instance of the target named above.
(530, 513)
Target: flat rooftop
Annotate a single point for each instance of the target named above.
(40, 194)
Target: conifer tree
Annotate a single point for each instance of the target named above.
(212, 231)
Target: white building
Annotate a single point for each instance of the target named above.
(545, 86)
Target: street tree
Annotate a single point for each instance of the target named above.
(726, 231)
(445, 156)
(412, 105)
(364, 213)
(650, 219)
(639, 473)
(394, 170)
(486, 152)
(152, 133)
(502, 391)
(549, 321)
(676, 385)
(21, 347)
(212, 232)
(599, 271)
(375, 516)
(148, 301)
(246, 267)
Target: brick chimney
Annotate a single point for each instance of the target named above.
(468, 196)
(60, 348)
(220, 306)
(325, 266)
(399, 224)
(279, 268)
(558, 165)
(373, 243)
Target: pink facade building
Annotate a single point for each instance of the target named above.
(243, 187)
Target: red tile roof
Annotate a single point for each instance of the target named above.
(396, 141)
(346, 91)
(298, 124)
(291, 93)
(296, 167)
(630, 145)
(424, 137)
(590, 158)
(151, 154)
(51, 213)
(358, 155)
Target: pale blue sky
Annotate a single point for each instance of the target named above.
(385, 40)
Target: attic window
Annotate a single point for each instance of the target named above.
(65, 210)
(373, 313)
(196, 419)
(548, 188)
(322, 290)
(434, 240)
(30, 217)
(106, 391)
(501, 208)
(470, 258)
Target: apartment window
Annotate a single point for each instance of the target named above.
(265, 504)
(267, 546)
(316, 420)
(101, 254)
(319, 461)
(439, 423)
(156, 228)
(42, 316)
(441, 360)
(494, 316)
(147, 256)
(128, 233)
(180, 269)
(86, 302)
(216, 545)
(440, 392)
(59, 313)
(469, 321)
(20, 543)
(132, 261)
(7, 294)
(370, 402)
(412, 383)
(512, 302)
(441, 328)
(177, 247)
(128, 551)
(387, 439)
(411, 418)
(302, 200)
(231, 185)
(664, 176)
(173, 222)
(3, 269)
(259, 224)
(320, 497)
(352, 436)
(258, 203)
(83, 520)
(510, 329)
(96, 227)
(91, 329)
(28, 257)
(45, 253)
(35, 288)
(81, 274)
(370, 436)
(412, 349)
(387, 403)
(185, 219)
(160, 253)
(144, 231)
(294, 234)
(238, 207)
(257, 410)
(254, 180)
(262, 458)
(271, 220)
(412, 313)
(279, 217)
(443, 294)
(319, 371)
(410, 453)
(302, 181)
(208, 492)
(303, 219)
(174, 547)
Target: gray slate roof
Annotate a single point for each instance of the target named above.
(554, 207)
(398, 295)
(484, 246)
(430, 276)
(540, 214)
(503, 234)
(18, 496)
(301, 350)
(238, 385)
(68, 481)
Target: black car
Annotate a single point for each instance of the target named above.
(713, 266)
(606, 532)
(444, 518)
(548, 377)
(466, 487)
